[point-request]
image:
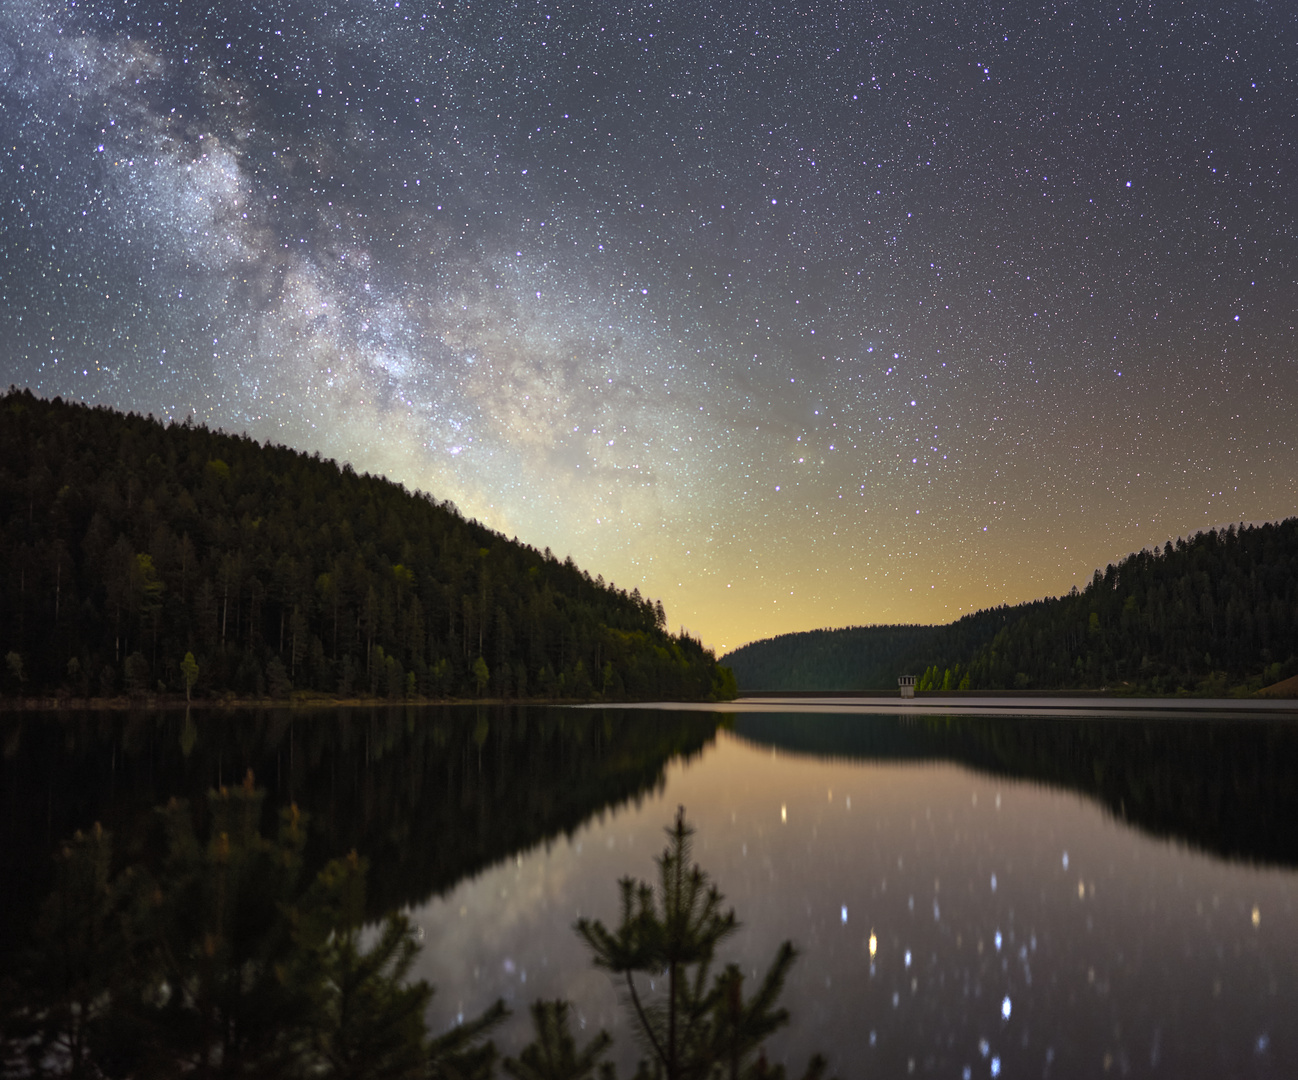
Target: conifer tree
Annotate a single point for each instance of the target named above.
(702, 1026)
(553, 1055)
(189, 670)
(368, 1019)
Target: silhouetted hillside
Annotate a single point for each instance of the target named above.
(126, 544)
(853, 658)
(1213, 614)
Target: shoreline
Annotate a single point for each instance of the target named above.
(1000, 705)
(865, 702)
(174, 703)
(963, 695)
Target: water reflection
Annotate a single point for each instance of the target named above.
(1221, 785)
(942, 927)
(968, 893)
(427, 795)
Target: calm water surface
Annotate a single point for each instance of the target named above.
(1019, 928)
(970, 896)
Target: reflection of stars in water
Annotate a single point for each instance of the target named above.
(787, 333)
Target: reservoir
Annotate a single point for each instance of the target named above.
(980, 896)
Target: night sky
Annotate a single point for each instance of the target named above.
(792, 315)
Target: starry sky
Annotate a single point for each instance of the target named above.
(791, 315)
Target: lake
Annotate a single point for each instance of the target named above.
(970, 895)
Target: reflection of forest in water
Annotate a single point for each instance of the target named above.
(1223, 786)
(188, 893)
(430, 795)
(427, 795)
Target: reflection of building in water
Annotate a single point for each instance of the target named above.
(907, 684)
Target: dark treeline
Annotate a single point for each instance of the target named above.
(852, 658)
(1214, 614)
(1222, 786)
(126, 544)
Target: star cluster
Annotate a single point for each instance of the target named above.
(792, 315)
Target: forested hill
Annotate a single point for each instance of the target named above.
(1213, 614)
(126, 544)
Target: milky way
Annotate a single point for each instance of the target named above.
(791, 317)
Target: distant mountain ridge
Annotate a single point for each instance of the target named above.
(1213, 614)
(138, 558)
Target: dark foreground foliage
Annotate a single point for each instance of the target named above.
(700, 1026)
(1214, 614)
(138, 558)
(213, 953)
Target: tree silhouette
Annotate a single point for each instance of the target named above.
(481, 676)
(702, 1026)
(189, 671)
(212, 960)
(553, 1055)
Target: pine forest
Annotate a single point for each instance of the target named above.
(138, 558)
(1213, 614)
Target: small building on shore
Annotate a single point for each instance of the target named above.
(907, 685)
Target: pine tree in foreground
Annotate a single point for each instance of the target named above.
(553, 1055)
(702, 1027)
(219, 956)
